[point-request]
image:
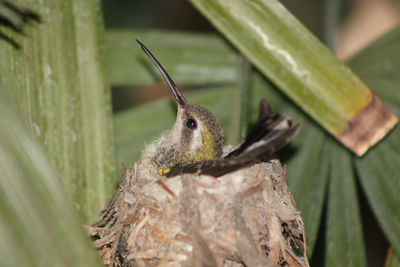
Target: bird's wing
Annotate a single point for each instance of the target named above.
(218, 167)
(271, 133)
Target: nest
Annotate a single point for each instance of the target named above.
(245, 218)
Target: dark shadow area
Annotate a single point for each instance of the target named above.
(287, 152)
(9, 40)
(173, 14)
(22, 16)
(16, 20)
(376, 244)
(318, 256)
(124, 96)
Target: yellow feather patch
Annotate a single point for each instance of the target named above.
(164, 171)
(205, 152)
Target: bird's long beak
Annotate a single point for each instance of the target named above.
(180, 100)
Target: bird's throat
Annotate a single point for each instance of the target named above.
(170, 160)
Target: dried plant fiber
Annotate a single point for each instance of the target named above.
(244, 218)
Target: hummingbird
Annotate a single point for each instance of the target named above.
(195, 142)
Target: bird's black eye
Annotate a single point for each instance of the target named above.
(191, 123)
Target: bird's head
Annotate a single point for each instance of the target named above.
(195, 136)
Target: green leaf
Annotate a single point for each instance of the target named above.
(378, 65)
(59, 81)
(38, 225)
(190, 58)
(344, 235)
(379, 176)
(379, 169)
(288, 54)
(237, 131)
